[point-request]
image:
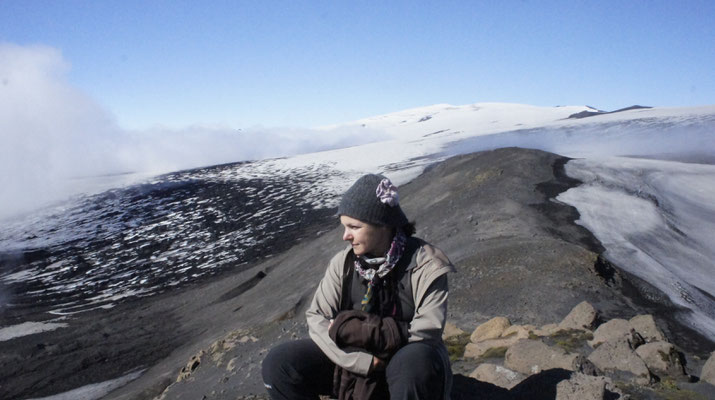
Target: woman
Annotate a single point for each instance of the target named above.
(377, 317)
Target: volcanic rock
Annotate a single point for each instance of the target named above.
(708, 372)
(616, 355)
(547, 330)
(497, 375)
(586, 387)
(491, 329)
(518, 331)
(645, 326)
(616, 328)
(451, 330)
(583, 316)
(484, 347)
(662, 359)
(190, 367)
(533, 356)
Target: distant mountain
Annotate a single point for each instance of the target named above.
(584, 114)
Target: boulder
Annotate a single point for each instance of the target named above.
(639, 329)
(616, 356)
(497, 375)
(451, 330)
(662, 359)
(585, 387)
(615, 329)
(518, 331)
(491, 329)
(533, 356)
(708, 372)
(476, 350)
(583, 316)
(547, 330)
(646, 327)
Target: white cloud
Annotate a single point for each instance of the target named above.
(162, 150)
(53, 133)
(50, 131)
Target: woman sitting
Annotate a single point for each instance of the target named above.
(377, 317)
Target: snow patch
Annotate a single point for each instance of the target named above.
(28, 328)
(94, 391)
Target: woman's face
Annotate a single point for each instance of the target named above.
(366, 238)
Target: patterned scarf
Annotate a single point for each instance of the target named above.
(387, 263)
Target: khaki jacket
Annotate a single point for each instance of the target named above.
(430, 268)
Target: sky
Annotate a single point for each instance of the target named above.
(311, 63)
(117, 87)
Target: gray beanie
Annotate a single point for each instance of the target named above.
(373, 199)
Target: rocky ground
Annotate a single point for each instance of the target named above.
(518, 253)
(620, 359)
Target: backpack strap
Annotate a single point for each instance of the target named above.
(348, 268)
(407, 301)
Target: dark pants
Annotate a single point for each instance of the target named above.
(299, 370)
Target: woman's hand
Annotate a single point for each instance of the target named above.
(378, 364)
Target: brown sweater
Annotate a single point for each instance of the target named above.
(381, 337)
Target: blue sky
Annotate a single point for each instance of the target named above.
(311, 63)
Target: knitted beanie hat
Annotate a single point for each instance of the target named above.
(373, 199)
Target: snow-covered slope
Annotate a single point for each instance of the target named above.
(467, 120)
(86, 249)
(656, 220)
(440, 131)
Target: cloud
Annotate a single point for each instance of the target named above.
(50, 131)
(162, 150)
(54, 136)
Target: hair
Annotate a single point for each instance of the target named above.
(409, 229)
